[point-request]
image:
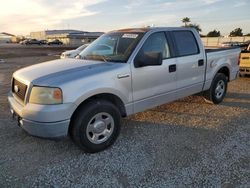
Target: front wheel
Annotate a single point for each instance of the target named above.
(95, 126)
(218, 89)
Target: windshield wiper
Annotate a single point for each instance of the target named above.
(105, 58)
(96, 57)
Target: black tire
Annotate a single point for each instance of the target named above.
(213, 95)
(82, 120)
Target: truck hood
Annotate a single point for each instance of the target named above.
(56, 72)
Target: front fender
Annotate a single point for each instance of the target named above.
(98, 91)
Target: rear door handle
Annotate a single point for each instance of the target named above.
(172, 68)
(201, 62)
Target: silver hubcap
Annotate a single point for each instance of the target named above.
(100, 128)
(220, 89)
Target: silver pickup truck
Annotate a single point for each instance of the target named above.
(121, 73)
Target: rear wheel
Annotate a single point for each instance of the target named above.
(95, 126)
(218, 89)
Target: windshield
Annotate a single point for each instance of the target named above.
(113, 47)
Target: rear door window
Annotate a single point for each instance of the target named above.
(185, 43)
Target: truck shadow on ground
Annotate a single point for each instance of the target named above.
(241, 100)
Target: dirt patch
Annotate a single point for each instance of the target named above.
(16, 50)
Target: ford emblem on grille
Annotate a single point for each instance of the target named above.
(16, 88)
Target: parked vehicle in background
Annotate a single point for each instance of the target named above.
(245, 44)
(121, 73)
(225, 44)
(73, 53)
(55, 42)
(43, 42)
(245, 62)
(230, 44)
(31, 42)
(23, 41)
(236, 44)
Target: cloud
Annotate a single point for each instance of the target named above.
(211, 1)
(240, 4)
(41, 14)
(156, 20)
(148, 4)
(134, 3)
(30, 15)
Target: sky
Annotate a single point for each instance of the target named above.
(24, 16)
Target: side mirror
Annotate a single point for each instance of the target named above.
(148, 59)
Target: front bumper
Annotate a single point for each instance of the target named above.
(45, 130)
(47, 121)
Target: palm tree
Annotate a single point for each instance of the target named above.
(186, 20)
(196, 26)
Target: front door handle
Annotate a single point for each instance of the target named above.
(172, 68)
(119, 76)
(201, 62)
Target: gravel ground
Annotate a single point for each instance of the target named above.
(187, 143)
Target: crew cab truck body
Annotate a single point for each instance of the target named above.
(121, 73)
(245, 62)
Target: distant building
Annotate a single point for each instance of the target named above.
(5, 37)
(42, 35)
(76, 39)
(68, 37)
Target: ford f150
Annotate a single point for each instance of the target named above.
(121, 73)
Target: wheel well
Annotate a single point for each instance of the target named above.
(225, 70)
(108, 97)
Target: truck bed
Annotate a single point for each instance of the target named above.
(218, 56)
(208, 50)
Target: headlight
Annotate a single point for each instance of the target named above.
(46, 95)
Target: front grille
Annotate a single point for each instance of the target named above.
(19, 89)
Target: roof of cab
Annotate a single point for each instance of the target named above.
(146, 29)
(133, 30)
